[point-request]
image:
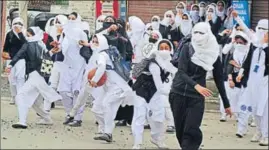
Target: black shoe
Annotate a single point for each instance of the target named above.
(104, 137)
(52, 105)
(146, 126)
(75, 123)
(121, 123)
(19, 126)
(68, 119)
(239, 135)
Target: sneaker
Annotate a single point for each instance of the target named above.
(264, 142)
(45, 121)
(121, 123)
(170, 129)
(19, 126)
(256, 137)
(75, 123)
(146, 126)
(137, 146)
(160, 145)
(104, 137)
(223, 118)
(68, 119)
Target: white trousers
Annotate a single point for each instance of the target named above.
(262, 122)
(154, 112)
(30, 93)
(55, 74)
(168, 112)
(16, 78)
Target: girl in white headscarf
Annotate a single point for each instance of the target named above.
(185, 25)
(51, 29)
(30, 93)
(180, 8)
(202, 10)
(188, 92)
(228, 22)
(99, 22)
(221, 10)
(73, 66)
(13, 42)
(151, 94)
(194, 13)
(155, 22)
(214, 21)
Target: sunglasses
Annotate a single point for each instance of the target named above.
(198, 32)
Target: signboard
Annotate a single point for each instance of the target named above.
(242, 7)
(123, 9)
(107, 7)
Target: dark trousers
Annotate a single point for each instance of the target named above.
(188, 113)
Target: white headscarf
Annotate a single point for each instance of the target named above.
(60, 20)
(260, 33)
(166, 21)
(205, 46)
(103, 44)
(241, 51)
(85, 26)
(155, 25)
(72, 28)
(177, 17)
(186, 25)
(99, 22)
(221, 13)
(202, 10)
(194, 14)
(38, 35)
(51, 29)
(18, 20)
(214, 15)
(228, 23)
(149, 48)
(137, 29)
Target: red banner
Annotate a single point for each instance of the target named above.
(107, 7)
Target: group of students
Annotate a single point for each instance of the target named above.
(169, 62)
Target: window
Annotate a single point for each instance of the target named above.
(62, 2)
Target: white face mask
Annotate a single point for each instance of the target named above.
(164, 54)
(99, 25)
(260, 34)
(202, 11)
(195, 16)
(155, 25)
(167, 20)
(199, 39)
(240, 47)
(179, 10)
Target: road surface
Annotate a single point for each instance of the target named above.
(216, 135)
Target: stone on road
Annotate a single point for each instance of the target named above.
(216, 135)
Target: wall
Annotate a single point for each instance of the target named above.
(259, 11)
(146, 9)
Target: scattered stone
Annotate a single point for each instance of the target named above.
(4, 138)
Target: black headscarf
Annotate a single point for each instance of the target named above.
(106, 24)
(122, 26)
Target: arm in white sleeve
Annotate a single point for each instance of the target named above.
(155, 70)
(227, 48)
(101, 68)
(250, 34)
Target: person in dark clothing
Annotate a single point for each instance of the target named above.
(13, 43)
(202, 10)
(28, 96)
(188, 90)
(214, 21)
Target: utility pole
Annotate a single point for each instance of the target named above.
(23, 8)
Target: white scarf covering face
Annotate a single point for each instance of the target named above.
(166, 21)
(260, 33)
(60, 20)
(205, 46)
(221, 13)
(214, 15)
(194, 14)
(99, 22)
(18, 20)
(38, 35)
(155, 25)
(102, 44)
(202, 9)
(51, 30)
(186, 25)
(241, 51)
(164, 57)
(137, 29)
(177, 17)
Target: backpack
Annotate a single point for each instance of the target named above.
(176, 54)
(86, 53)
(140, 67)
(121, 67)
